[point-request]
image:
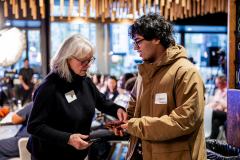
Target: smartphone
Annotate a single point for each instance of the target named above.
(113, 123)
(94, 140)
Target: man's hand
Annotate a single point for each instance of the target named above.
(119, 130)
(122, 115)
(76, 141)
(32, 80)
(26, 87)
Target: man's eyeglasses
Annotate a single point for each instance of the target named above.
(136, 43)
(85, 62)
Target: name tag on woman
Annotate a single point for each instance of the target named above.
(70, 96)
(161, 98)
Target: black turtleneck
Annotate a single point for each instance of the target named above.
(53, 119)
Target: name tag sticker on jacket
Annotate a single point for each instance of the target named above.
(70, 96)
(161, 98)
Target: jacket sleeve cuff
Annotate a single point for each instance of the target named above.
(112, 110)
(130, 125)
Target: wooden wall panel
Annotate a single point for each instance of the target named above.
(231, 44)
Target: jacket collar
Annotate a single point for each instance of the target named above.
(76, 77)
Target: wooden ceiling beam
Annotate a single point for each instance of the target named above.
(110, 9)
(81, 20)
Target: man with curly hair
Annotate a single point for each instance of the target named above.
(166, 109)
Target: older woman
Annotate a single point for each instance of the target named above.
(64, 104)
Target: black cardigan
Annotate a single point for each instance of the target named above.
(53, 119)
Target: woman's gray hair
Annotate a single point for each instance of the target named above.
(75, 45)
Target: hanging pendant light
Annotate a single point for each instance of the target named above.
(12, 45)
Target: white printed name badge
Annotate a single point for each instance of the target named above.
(70, 96)
(161, 98)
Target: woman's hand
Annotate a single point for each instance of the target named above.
(122, 115)
(76, 140)
(121, 129)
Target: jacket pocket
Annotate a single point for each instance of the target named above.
(178, 150)
(171, 146)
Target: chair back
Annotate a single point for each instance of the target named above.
(208, 98)
(23, 152)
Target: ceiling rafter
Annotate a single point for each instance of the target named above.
(105, 9)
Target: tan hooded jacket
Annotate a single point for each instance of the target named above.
(166, 109)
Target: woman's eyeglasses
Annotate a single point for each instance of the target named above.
(85, 62)
(136, 43)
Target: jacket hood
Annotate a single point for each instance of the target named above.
(169, 56)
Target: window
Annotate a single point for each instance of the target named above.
(20, 63)
(177, 37)
(34, 54)
(124, 58)
(60, 31)
(206, 50)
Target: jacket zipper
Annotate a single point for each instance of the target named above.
(130, 155)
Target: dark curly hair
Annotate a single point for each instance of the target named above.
(153, 26)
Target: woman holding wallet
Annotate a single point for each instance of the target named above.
(64, 104)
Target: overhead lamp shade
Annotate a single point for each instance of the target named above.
(12, 45)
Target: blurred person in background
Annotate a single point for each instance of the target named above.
(111, 91)
(135, 74)
(64, 104)
(219, 106)
(220, 97)
(9, 146)
(100, 150)
(122, 100)
(26, 78)
(101, 82)
(130, 84)
(96, 79)
(123, 97)
(103, 89)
